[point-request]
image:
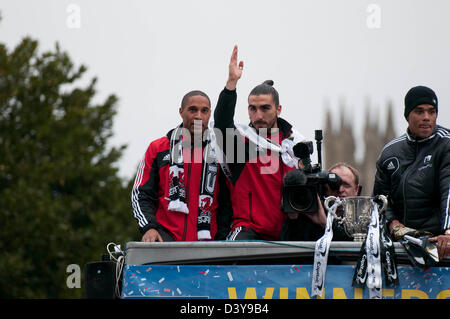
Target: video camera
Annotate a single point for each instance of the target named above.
(301, 186)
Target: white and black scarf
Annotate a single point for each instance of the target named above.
(263, 142)
(177, 192)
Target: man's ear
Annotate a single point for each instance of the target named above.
(278, 110)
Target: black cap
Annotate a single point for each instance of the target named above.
(419, 95)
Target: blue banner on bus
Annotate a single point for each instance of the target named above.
(272, 282)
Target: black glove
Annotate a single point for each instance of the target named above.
(421, 252)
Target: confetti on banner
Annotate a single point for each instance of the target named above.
(213, 281)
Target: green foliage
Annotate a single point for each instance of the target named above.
(61, 200)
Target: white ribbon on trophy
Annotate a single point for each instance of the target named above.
(374, 280)
(360, 219)
(321, 253)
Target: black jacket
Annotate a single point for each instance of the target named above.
(415, 175)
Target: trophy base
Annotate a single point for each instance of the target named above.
(359, 237)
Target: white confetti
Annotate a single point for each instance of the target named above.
(161, 280)
(229, 276)
(206, 272)
(179, 291)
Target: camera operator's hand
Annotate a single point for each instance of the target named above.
(235, 70)
(319, 217)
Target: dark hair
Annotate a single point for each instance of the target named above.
(266, 88)
(191, 94)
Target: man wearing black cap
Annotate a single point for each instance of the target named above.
(413, 170)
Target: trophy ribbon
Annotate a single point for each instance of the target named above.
(387, 254)
(374, 280)
(360, 274)
(321, 253)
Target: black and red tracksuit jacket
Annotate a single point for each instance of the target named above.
(150, 194)
(255, 196)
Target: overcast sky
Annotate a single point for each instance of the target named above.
(319, 53)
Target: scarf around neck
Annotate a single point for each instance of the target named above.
(177, 192)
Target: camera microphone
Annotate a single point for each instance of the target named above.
(303, 150)
(294, 178)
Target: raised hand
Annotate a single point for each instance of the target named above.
(235, 70)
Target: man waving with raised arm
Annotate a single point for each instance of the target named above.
(256, 157)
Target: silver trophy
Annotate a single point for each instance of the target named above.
(355, 213)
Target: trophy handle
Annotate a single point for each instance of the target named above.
(385, 202)
(327, 202)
